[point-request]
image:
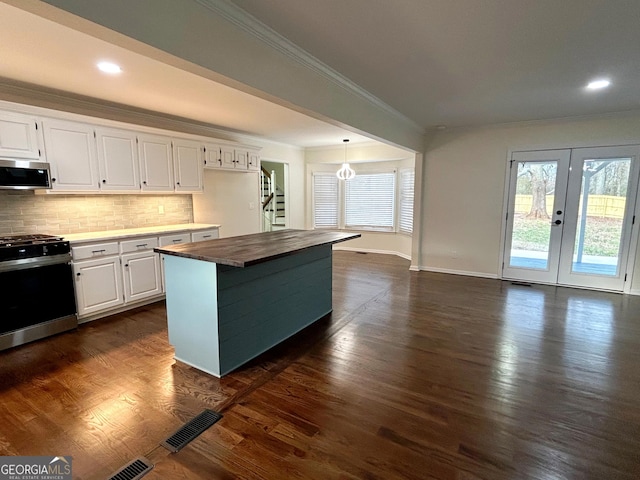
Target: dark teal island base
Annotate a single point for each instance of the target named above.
(221, 316)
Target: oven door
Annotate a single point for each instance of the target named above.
(36, 295)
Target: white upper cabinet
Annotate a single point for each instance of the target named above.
(212, 158)
(188, 165)
(18, 136)
(156, 163)
(227, 156)
(254, 160)
(117, 159)
(233, 158)
(241, 158)
(94, 157)
(71, 151)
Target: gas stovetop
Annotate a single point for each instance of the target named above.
(27, 239)
(14, 247)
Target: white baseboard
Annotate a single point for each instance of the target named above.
(458, 272)
(371, 250)
(634, 292)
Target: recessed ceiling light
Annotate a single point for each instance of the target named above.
(598, 84)
(109, 67)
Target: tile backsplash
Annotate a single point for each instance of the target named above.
(25, 212)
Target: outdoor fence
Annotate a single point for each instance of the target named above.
(603, 206)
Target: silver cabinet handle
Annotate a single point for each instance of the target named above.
(141, 245)
(98, 251)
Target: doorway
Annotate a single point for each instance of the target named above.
(274, 181)
(569, 216)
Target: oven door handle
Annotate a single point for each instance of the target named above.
(35, 262)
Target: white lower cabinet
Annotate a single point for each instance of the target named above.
(112, 274)
(141, 272)
(98, 284)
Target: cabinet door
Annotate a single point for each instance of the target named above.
(254, 161)
(98, 285)
(241, 157)
(141, 273)
(227, 155)
(18, 138)
(71, 151)
(212, 158)
(117, 159)
(188, 165)
(156, 163)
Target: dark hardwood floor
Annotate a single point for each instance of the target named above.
(413, 376)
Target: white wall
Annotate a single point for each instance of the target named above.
(363, 158)
(464, 181)
(226, 201)
(227, 195)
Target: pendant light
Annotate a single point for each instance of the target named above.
(345, 172)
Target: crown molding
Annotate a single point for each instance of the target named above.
(250, 24)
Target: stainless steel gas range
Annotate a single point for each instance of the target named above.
(37, 297)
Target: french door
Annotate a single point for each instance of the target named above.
(569, 216)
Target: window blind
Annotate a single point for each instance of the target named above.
(370, 201)
(325, 200)
(407, 179)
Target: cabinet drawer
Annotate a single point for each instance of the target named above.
(204, 235)
(175, 239)
(138, 244)
(95, 250)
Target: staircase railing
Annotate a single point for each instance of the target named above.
(269, 196)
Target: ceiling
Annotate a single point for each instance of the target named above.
(471, 62)
(51, 55)
(438, 62)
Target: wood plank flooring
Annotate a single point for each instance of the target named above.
(413, 376)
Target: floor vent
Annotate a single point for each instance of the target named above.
(133, 470)
(191, 430)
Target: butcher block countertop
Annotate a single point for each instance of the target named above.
(247, 250)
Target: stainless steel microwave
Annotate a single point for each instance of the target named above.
(16, 174)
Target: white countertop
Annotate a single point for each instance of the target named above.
(136, 232)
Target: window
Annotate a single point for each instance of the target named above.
(378, 201)
(407, 179)
(370, 201)
(325, 200)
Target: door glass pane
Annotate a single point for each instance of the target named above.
(601, 211)
(534, 196)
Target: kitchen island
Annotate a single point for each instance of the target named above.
(230, 299)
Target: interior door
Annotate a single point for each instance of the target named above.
(535, 213)
(570, 215)
(598, 222)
